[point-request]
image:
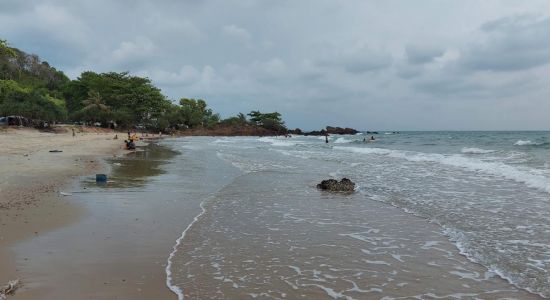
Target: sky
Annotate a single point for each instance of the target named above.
(370, 65)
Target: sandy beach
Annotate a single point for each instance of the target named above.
(32, 177)
(251, 223)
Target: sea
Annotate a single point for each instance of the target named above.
(435, 215)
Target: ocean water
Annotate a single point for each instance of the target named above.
(436, 215)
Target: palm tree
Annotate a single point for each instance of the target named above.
(94, 106)
(95, 102)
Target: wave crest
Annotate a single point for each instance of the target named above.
(531, 179)
(342, 140)
(476, 151)
(526, 143)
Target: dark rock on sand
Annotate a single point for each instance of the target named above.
(332, 185)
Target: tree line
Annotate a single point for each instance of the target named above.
(31, 88)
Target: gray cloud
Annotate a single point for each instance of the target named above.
(417, 54)
(511, 44)
(356, 63)
(358, 60)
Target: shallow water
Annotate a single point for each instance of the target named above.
(424, 199)
(451, 215)
(118, 250)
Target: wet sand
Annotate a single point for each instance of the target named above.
(31, 178)
(118, 247)
(266, 233)
(297, 243)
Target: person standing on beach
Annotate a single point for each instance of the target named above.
(74, 134)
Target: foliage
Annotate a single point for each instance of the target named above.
(18, 100)
(239, 120)
(271, 121)
(30, 70)
(132, 100)
(94, 109)
(6, 50)
(194, 113)
(31, 88)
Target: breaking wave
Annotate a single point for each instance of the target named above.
(476, 151)
(494, 168)
(277, 142)
(342, 140)
(527, 143)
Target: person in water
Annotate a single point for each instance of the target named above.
(326, 138)
(372, 137)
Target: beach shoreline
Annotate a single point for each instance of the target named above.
(113, 241)
(32, 178)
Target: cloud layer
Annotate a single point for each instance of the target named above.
(396, 65)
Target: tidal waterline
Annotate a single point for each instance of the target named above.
(419, 219)
(120, 247)
(270, 234)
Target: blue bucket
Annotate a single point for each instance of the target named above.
(100, 178)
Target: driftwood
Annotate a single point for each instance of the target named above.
(9, 289)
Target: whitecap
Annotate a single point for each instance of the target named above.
(277, 142)
(525, 176)
(476, 151)
(342, 140)
(525, 143)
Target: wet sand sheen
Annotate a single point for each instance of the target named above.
(266, 236)
(266, 233)
(119, 248)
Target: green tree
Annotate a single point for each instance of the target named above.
(195, 113)
(272, 121)
(23, 101)
(94, 109)
(238, 120)
(6, 50)
(94, 102)
(121, 92)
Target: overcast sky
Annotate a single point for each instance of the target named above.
(379, 65)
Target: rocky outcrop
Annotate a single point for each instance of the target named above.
(332, 185)
(316, 132)
(332, 130)
(340, 130)
(296, 131)
(229, 130)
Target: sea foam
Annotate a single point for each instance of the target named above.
(494, 168)
(526, 143)
(342, 140)
(277, 142)
(476, 151)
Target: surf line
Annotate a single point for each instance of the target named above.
(175, 289)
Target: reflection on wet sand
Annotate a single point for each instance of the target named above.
(133, 169)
